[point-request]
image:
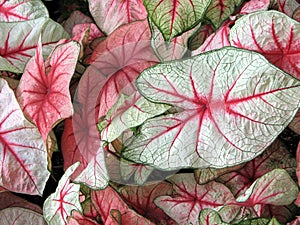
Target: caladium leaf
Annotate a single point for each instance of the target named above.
(189, 198)
(198, 38)
(287, 6)
(141, 198)
(173, 18)
(119, 59)
(295, 124)
(255, 5)
(219, 11)
(19, 216)
(239, 112)
(275, 188)
(275, 156)
(95, 175)
(43, 92)
(217, 40)
(297, 202)
(75, 18)
(59, 205)
(210, 217)
(279, 44)
(109, 15)
(22, 10)
(22, 150)
(108, 202)
(78, 219)
(130, 112)
(17, 51)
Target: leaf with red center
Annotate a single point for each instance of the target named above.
(217, 40)
(232, 105)
(59, 205)
(288, 7)
(295, 124)
(279, 42)
(20, 10)
(22, 149)
(16, 216)
(189, 198)
(220, 10)
(108, 201)
(255, 5)
(79, 219)
(110, 14)
(173, 18)
(198, 38)
(15, 52)
(275, 188)
(142, 199)
(275, 156)
(94, 31)
(43, 92)
(120, 58)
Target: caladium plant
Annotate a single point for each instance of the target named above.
(182, 112)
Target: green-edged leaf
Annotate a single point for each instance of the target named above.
(59, 205)
(210, 217)
(173, 17)
(232, 102)
(130, 112)
(275, 188)
(15, 52)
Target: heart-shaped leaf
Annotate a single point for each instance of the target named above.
(173, 18)
(59, 205)
(15, 52)
(22, 150)
(232, 102)
(189, 198)
(20, 10)
(43, 92)
(279, 42)
(19, 216)
(110, 14)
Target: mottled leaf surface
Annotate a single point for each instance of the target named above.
(233, 105)
(22, 149)
(43, 92)
(279, 42)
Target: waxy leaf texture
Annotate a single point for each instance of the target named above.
(279, 42)
(173, 18)
(16, 52)
(232, 102)
(20, 10)
(111, 14)
(22, 149)
(43, 92)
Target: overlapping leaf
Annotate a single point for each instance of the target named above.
(109, 15)
(255, 5)
(20, 10)
(22, 150)
(189, 198)
(19, 216)
(15, 52)
(233, 105)
(43, 92)
(279, 42)
(173, 18)
(288, 7)
(59, 205)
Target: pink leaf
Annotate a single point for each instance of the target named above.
(22, 150)
(110, 14)
(94, 32)
(142, 199)
(255, 5)
(107, 200)
(16, 215)
(275, 156)
(296, 14)
(59, 205)
(43, 92)
(75, 18)
(219, 39)
(189, 198)
(17, 51)
(120, 59)
(295, 124)
(78, 219)
(279, 44)
(297, 202)
(20, 10)
(288, 7)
